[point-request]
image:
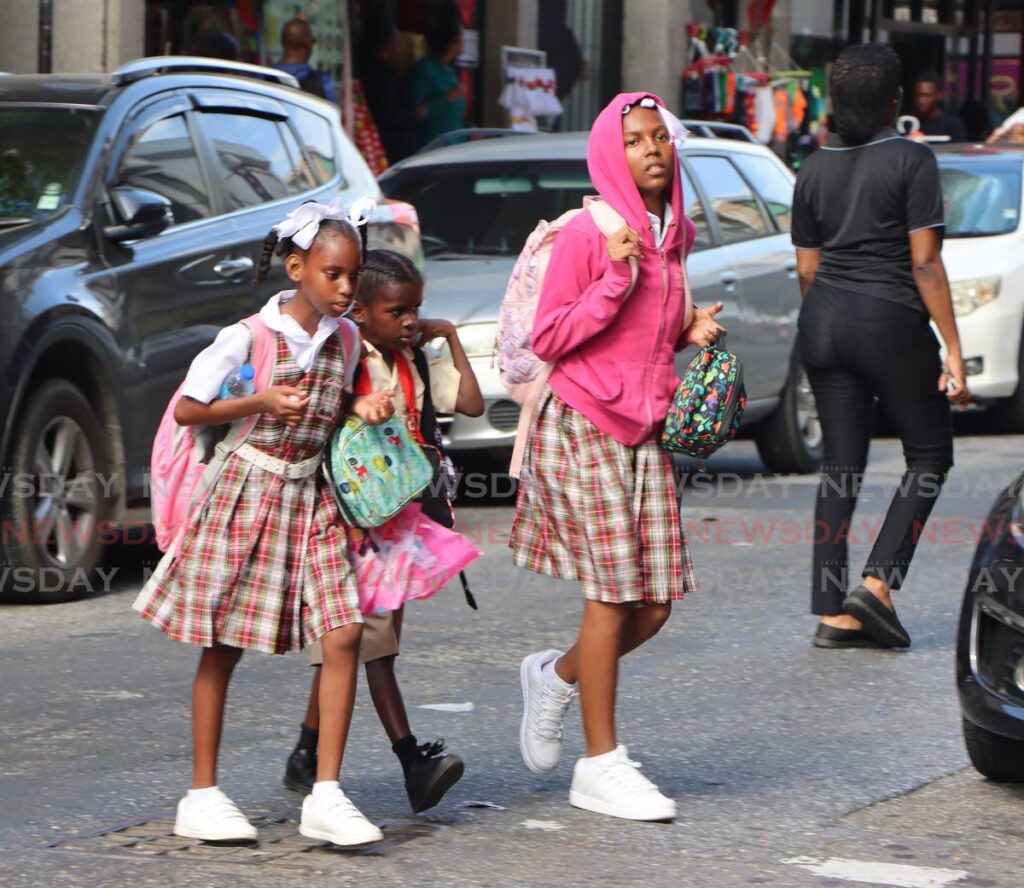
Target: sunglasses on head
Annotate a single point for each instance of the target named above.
(643, 103)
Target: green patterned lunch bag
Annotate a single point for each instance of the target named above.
(375, 471)
(706, 410)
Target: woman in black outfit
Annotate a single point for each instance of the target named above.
(868, 225)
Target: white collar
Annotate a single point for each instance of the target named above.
(661, 228)
(288, 326)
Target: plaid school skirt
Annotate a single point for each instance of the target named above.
(600, 512)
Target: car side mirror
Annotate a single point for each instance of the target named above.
(141, 213)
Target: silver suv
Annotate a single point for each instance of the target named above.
(478, 201)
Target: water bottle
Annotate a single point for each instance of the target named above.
(239, 384)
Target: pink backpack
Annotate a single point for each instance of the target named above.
(522, 373)
(183, 455)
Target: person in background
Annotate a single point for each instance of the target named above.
(976, 120)
(297, 41)
(217, 45)
(1010, 130)
(929, 98)
(867, 227)
(387, 93)
(437, 94)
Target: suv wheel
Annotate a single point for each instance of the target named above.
(55, 507)
(790, 441)
(997, 757)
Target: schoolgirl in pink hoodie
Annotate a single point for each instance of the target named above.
(597, 500)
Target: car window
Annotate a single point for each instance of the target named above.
(37, 171)
(694, 209)
(258, 166)
(487, 208)
(163, 159)
(316, 135)
(733, 203)
(981, 197)
(774, 186)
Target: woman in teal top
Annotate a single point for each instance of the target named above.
(437, 93)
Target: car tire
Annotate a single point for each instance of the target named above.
(790, 440)
(996, 757)
(1008, 413)
(55, 508)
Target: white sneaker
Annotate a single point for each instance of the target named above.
(611, 784)
(331, 817)
(544, 707)
(212, 817)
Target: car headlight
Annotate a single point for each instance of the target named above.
(972, 294)
(478, 339)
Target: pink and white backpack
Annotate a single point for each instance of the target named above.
(523, 374)
(183, 455)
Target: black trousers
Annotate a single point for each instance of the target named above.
(859, 349)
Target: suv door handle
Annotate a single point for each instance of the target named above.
(789, 265)
(229, 268)
(729, 278)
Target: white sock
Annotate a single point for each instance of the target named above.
(604, 756)
(322, 787)
(196, 796)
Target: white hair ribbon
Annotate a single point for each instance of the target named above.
(303, 223)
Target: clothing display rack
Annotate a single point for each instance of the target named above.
(767, 92)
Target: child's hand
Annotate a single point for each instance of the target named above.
(624, 244)
(286, 403)
(435, 329)
(704, 330)
(376, 408)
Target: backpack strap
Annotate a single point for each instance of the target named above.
(353, 345)
(429, 428)
(610, 222)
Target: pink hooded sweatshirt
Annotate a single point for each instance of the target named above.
(614, 356)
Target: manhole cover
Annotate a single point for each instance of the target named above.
(279, 844)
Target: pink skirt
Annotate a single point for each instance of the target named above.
(414, 558)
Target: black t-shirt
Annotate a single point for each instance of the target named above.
(945, 125)
(859, 206)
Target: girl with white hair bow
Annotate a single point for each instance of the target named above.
(261, 564)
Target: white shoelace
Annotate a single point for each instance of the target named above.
(221, 808)
(625, 773)
(341, 805)
(551, 711)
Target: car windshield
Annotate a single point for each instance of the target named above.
(41, 154)
(487, 209)
(982, 197)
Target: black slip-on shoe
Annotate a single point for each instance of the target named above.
(831, 637)
(431, 775)
(879, 622)
(300, 772)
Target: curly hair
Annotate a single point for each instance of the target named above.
(865, 86)
(285, 246)
(385, 266)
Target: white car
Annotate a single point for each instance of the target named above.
(983, 190)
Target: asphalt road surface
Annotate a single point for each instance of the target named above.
(791, 766)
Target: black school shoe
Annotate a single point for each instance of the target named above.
(879, 622)
(833, 638)
(430, 775)
(300, 772)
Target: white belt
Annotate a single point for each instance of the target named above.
(289, 471)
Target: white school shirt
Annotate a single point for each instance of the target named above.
(444, 378)
(232, 346)
(661, 228)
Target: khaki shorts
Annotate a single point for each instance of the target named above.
(381, 636)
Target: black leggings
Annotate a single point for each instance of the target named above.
(858, 348)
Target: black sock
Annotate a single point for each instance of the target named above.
(308, 738)
(406, 750)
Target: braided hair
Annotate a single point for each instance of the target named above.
(285, 246)
(865, 86)
(385, 266)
